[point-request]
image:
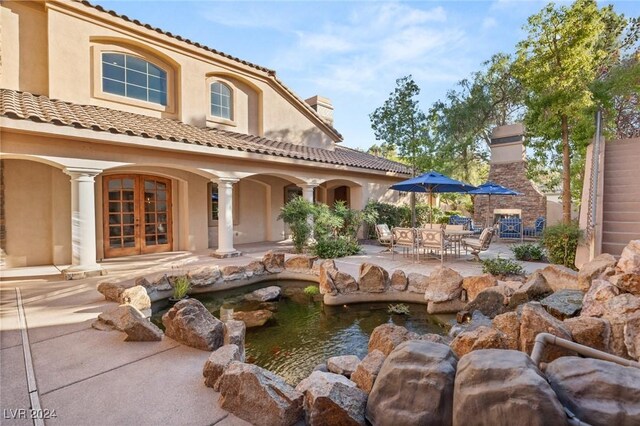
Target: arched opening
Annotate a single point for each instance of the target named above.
(342, 190)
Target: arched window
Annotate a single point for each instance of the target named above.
(132, 77)
(221, 101)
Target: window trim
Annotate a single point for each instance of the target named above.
(233, 89)
(100, 48)
(236, 205)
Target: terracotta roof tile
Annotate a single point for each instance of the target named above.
(26, 106)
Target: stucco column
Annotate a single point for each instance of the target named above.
(307, 194)
(83, 223)
(225, 218)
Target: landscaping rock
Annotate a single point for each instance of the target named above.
(476, 320)
(509, 324)
(417, 283)
(490, 302)
(599, 393)
(162, 283)
(135, 296)
(265, 294)
(233, 272)
(618, 311)
(536, 288)
(594, 269)
(628, 283)
(218, 361)
(119, 318)
(142, 330)
(344, 282)
(560, 277)
(331, 399)
(414, 386)
(301, 264)
(258, 396)
(367, 370)
(629, 262)
(234, 334)
(344, 365)
(191, 324)
(321, 367)
(503, 387)
(435, 338)
(632, 335)
(373, 278)
(448, 307)
(534, 320)
(564, 303)
(255, 268)
(326, 284)
(204, 276)
(399, 280)
(111, 290)
(474, 285)
(273, 262)
(594, 301)
(479, 338)
(443, 284)
(253, 318)
(386, 337)
(589, 331)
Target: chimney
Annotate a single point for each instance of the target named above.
(323, 107)
(507, 144)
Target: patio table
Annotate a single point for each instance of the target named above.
(455, 236)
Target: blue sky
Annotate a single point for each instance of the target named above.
(352, 51)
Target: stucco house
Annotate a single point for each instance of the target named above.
(121, 139)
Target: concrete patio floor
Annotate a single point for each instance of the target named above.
(94, 377)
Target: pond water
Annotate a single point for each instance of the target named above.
(303, 331)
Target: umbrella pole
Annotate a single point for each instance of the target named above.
(489, 224)
(430, 208)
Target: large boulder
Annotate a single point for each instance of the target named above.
(491, 301)
(590, 331)
(218, 361)
(560, 277)
(233, 272)
(373, 278)
(253, 318)
(599, 393)
(386, 337)
(448, 307)
(301, 264)
(628, 283)
(344, 282)
(474, 285)
(119, 318)
(331, 399)
(536, 288)
(479, 338)
(632, 335)
(498, 387)
(135, 296)
(535, 320)
(367, 370)
(273, 262)
(111, 290)
(254, 269)
(417, 283)
(191, 324)
(265, 294)
(618, 310)
(594, 301)
(234, 334)
(204, 276)
(629, 262)
(326, 284)
(344, 364)
(509, 324)
(414, 386)
(142, 330)
(594, 269)
(443, 284)
(258, 396)
(564, 303)
(399, 280)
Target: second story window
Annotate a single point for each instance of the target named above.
(132, 77)
(221, 101)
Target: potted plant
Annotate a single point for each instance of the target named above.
(181, 287)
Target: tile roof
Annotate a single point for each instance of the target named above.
(26, 106)
(269, 72)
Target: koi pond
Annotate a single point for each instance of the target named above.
(304, 332)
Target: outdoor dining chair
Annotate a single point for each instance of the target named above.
(478, 245)
(385, 237)
(404, 238)
(433, 242)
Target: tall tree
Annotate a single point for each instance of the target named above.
(402, 126)
(557, 64)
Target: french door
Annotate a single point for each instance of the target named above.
(137, 215)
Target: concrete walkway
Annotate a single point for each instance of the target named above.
(94, 377)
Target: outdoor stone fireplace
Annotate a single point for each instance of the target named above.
(508, 168)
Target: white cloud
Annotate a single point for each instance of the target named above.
(489, 22)
(324, 42)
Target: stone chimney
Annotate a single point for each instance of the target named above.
(323, 107)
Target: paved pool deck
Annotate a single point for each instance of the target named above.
(94, 377)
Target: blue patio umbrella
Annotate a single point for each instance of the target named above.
(431, 182)
(490, 188)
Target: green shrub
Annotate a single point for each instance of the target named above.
(387, 213)
(500, 266)
(561, 242)
(181, 287)
(330, 248)
(311, 290)
(296, 214)
(528, 252)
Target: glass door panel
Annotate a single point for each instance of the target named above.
(157, 232)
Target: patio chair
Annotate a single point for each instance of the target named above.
(536, 230)
(404, 238)
(510, 228)
(433, 241)
(460, 220)
(478, 245)
(385, 237)
(477, 230)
